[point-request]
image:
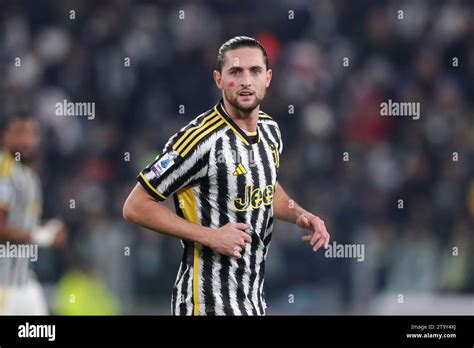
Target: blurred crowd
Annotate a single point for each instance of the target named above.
(402, 187)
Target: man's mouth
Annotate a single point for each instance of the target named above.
(245, 93)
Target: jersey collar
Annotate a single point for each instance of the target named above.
(247, 139)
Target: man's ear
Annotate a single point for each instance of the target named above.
(217, 78)
(269, 77)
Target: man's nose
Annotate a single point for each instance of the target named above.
(245, 82)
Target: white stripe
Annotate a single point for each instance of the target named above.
(179, 287)
(188, 163)
(272, 138)
(268, 231)
(7, 271)
(200, 174)
(269, 153)
(216, 257)
(202, 302)
(189, 293)
(233, 263)
(262, 298)
(244, 159)
(21, 269)
(216, 283)
(280, 139)
(259, 253)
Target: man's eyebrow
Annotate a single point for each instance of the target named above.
(235, 68)
(239, 68)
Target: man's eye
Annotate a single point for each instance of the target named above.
(234, 72)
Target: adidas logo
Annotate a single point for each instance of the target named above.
(240, 170)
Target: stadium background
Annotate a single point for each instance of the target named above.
(110, 266)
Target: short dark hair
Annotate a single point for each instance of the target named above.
(238, 42)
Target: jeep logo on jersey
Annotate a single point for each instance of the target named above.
(254, 198)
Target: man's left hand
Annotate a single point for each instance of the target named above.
(319, 235)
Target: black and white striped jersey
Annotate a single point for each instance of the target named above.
(20, 195)
(218, 173)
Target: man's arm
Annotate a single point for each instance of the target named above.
(11, 234)
(142, 209)
(16, 235)
(288, 210)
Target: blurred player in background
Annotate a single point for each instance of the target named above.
(222, 169)
(20, 213)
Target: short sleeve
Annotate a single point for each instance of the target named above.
(280, 141)
(6, 193)
(173, 170)
(6, 185)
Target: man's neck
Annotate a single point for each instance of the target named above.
(245, 120)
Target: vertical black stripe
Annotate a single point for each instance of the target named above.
(271, 164)
(261, 271)
(241, 218)
(268, 164)
(274, 132)
(252, 172)
(188, 256)
(268, 238)
(223, 202)
(267, 244)
(261, 295)
(176, 295)
(183, 265)
(208, 300)
(256, 177)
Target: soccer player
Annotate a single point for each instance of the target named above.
(222, 171)
(20, 212)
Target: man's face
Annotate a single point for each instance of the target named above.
(23, 136)
(244, 78)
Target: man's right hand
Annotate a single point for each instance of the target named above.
(230, 239)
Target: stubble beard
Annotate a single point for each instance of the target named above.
(233, 100)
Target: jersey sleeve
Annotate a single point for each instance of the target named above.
(6, 193)
(280, 149)
(6, 186)
(179, 165)
(280, 141)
